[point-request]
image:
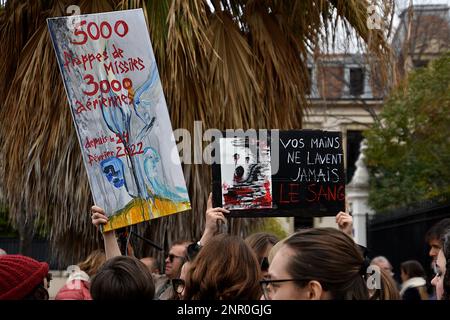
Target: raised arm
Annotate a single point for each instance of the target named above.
(109, 238)
(345, 223)
(211, 216)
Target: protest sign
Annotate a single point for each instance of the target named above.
(290, 173)
(120, 115)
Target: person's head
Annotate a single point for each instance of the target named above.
(261, 243)
(2, 252)
(23, 278)
(411, 269)
(93, 262)
(317, 264)
(388, 288)
(442, 278)
(383, 263)
(175, 259)
(123, 278)
(224, 269)
(434, 237)
(151, 263)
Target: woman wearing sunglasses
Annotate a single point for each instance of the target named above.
(261, 243)
(179, 284)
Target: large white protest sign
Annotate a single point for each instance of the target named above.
(120, 115)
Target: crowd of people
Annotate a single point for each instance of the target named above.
(310, 264)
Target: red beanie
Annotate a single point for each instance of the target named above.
(19, 275)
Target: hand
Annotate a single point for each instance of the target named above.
(212, 215)
(345, 223)
(111, 246)
(98, 216)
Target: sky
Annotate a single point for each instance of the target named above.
(344, 45)
(403, 4)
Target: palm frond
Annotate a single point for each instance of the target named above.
(242, 64)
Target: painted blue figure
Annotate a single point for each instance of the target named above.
(112, 168)
(119, 120)
(152, 159)
(145, 97)
(147, 178)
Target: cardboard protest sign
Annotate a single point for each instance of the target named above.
(120, 115)
(306, 175)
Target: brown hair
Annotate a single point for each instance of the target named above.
(93, 262)
(181, 243)
(437, 231)
(123, 278)
(330, 257)
(224, 269)
(413, 269)
(258, 242)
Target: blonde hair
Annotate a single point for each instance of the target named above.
(93, 262)
(388, 290)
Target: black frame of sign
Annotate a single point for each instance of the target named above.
(294, 194)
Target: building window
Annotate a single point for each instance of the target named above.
(354, 139)
(356, 81)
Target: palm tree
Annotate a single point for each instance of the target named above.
(227, 63)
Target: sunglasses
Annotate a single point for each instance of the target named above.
(171, 257)
(264, 264)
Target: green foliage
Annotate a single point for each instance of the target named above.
(271, 225)
(408, 152)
